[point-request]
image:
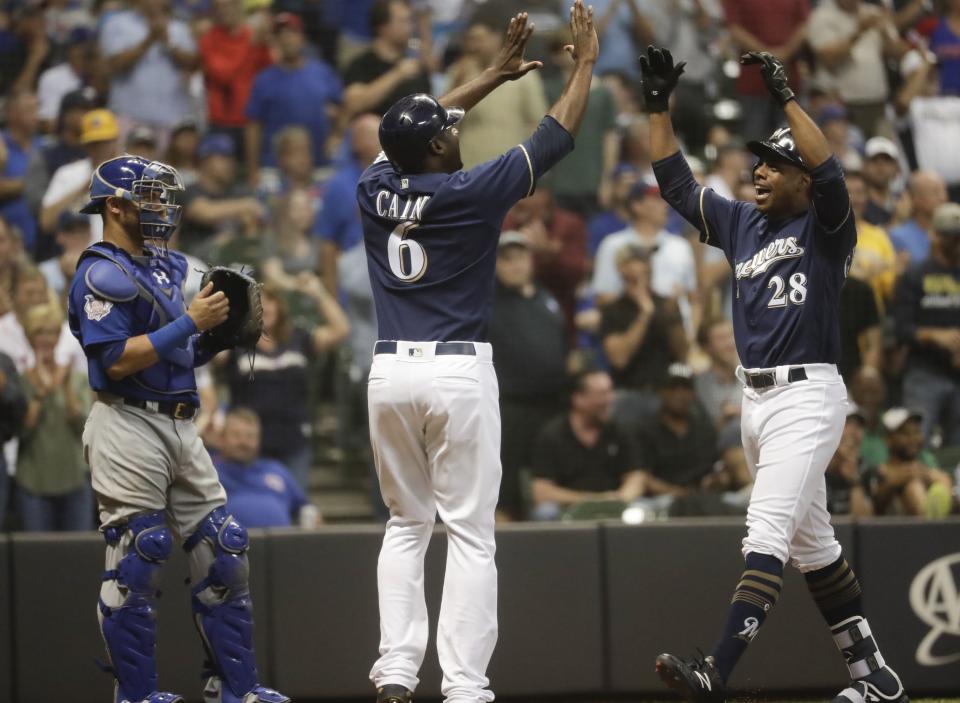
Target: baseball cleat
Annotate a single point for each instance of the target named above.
(262, 694)
(216, 692)
(881, 686)
(697, 679)
(162, 697)
(392, 693)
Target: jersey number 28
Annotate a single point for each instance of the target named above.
(797, 294)
(408, 259)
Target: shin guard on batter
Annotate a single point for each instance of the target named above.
(223, 610)
(136, 552)
(836, 591)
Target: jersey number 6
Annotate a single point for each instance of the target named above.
(797, 294)
(408, 259)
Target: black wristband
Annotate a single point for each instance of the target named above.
(784, 95)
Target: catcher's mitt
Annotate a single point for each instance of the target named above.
(244, 323)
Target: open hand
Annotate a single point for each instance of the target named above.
(659, 76)
(509, 61)
(586, 44)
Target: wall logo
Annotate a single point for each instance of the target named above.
(935, 598)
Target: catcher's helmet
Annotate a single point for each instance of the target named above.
(152, 186)
(779, 147)
(410, 124)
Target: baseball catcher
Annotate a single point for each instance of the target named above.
(154, 481)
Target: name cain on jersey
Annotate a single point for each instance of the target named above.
(394, 207)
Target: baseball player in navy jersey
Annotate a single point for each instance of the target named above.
(790, 252)
(152, 475)
(431, 230)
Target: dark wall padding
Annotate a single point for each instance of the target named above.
(911, 575)
(669, 587)
(584, 608)
(6, 624)
(56, 583)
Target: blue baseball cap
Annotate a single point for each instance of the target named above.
(216, 144)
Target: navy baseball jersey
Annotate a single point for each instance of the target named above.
(431, 238)
(787, 274)
(115, 296)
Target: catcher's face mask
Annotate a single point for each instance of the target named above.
(157, 195)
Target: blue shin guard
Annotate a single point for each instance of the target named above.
(129, 628)
(223, 613)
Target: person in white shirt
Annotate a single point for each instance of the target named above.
(149, 55)
(72, 237)
(31, 290)
(851, 40)
(65, 77)
(673, 263)
(70, 183)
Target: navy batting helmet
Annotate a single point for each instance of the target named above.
(410, 124)
(779, 147)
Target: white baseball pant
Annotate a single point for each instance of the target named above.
(790, 432)
(435, 432)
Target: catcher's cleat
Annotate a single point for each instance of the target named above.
(697, 679)
(392, 693)
(881, 686)
(216, 692)
(162, 697)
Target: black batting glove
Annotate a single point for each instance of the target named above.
(774, 74)
(659, 77)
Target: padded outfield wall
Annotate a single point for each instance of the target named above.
(584, 609)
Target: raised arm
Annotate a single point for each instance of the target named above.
(810, 141)
(509, 65)
(572, 103)
(659, 78)
(713, 215)
(828, 191)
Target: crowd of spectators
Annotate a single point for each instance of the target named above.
(611, 323)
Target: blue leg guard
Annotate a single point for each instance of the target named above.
(127, 611)
(223, 610)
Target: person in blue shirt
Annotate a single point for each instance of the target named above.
(430, 232)
(260, 492)
(911, 238)
(790, 251)
(337, 223)
(20, 140)
(154, 481)
(945, 43)
(295, 90)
